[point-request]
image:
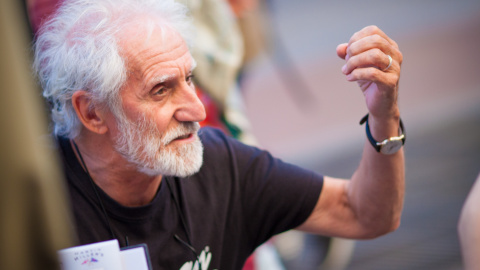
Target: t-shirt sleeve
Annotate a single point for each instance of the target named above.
(276, 196)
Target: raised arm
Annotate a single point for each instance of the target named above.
(370, 203)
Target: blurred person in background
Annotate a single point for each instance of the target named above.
(469, 228)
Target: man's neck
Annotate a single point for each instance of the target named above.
(114, 174)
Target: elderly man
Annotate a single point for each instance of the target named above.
(118, 74)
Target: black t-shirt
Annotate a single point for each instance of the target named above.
(239, 199)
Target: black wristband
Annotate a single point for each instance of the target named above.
(375, 143)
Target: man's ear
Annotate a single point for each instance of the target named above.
(88, 112)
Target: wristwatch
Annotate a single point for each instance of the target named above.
(388, 146)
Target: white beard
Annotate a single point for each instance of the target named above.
(151, 152)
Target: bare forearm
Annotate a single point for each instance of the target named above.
(377, 187)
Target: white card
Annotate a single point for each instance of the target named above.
(97, 256)
(136, 257)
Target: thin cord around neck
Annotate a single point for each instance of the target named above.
(107, 219)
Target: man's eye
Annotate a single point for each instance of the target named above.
(190, 79)
(160, 91)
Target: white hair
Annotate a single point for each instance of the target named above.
(78, 49)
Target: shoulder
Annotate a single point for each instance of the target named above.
(219, 150)
(222, 147)
(209, 134)
(217, 142)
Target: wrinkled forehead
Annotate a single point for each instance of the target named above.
(145, 37)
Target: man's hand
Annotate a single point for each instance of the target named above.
(366, 56)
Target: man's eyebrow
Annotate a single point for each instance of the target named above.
(163, 78)
(194, 65)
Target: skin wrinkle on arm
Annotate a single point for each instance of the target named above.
(342, 212)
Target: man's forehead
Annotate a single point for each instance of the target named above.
(150, 36)
(160, 46)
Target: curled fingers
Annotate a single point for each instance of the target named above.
(374, 57)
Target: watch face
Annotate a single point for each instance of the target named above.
(391, 147)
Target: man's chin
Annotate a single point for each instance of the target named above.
(185, 172)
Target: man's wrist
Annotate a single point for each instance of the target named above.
(389, 143)
(384, 127)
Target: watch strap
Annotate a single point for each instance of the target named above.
(372, 140)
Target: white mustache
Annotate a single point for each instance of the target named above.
(184, 129)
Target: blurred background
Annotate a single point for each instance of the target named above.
(302, 109)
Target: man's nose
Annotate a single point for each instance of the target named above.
(190, 107)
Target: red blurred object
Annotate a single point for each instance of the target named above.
(40, 10)
(213, 114)
(249, 264)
